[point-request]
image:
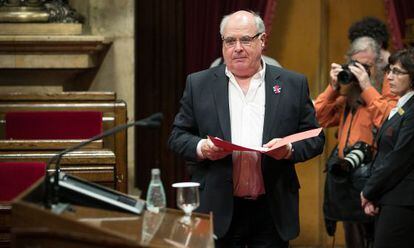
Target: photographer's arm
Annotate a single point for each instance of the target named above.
(328, 104)
(379, 106)
(328, 107)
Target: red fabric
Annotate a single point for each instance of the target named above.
(269, 14)
(398, 11)
(396, 39)
(15, 177)
(53, 124)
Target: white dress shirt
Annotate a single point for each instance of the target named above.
(403, 100)
(247, 120)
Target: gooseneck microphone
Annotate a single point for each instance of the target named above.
(53, 184)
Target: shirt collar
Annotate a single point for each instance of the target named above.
(259, 75)
(404, 99)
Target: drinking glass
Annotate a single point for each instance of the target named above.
(188, 197)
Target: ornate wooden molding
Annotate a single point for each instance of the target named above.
(67, 52)
(27, 11)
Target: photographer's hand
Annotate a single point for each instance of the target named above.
(361, 74)
(335, 69)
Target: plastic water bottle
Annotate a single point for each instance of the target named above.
(156, 194)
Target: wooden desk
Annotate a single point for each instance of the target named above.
(35, 226)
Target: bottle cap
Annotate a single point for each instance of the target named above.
(155, 171)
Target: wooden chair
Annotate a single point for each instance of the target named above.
(15, 177)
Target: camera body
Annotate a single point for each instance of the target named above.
(357, 155)
(346, 76)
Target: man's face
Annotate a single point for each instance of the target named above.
(242, 45)
(367, 58)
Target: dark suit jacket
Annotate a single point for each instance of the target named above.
(205, 111)
(392, 179)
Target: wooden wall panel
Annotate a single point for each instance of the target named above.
(295, 42)
(294, 38)
(341, 14)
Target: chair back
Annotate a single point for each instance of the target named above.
(15, 177)
(53, 124)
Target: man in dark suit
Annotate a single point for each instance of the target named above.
(253, 197)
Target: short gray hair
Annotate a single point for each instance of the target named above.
(257, 19)
(363, 44)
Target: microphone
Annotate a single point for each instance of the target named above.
(152, 121)
(116, 199)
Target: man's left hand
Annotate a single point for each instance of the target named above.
(284, 152)
(361, 74)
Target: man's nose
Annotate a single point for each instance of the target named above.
(238, 46)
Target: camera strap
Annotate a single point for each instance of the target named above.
(346, 112)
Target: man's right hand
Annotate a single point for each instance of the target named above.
(335, 69)
(212, 152)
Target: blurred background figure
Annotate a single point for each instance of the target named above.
(374, 28)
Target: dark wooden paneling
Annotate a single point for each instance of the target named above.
(159, 85)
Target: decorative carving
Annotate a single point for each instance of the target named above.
(60, 11)
(57, 11)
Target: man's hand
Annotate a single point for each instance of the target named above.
(284, 152)
(361, 74)
(368, 206)
(335, 69)
(212, 152)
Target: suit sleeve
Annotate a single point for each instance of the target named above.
(184, 135)
(396, 165)
(309, 148)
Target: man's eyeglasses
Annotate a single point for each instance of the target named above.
(395, 71)
(244, 40)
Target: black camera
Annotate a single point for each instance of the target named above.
(357, 155)
(346, 76)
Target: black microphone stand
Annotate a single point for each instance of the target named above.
(51, 197)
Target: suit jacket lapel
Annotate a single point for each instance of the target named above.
(272, 103)
(221, 97)
(395, 117)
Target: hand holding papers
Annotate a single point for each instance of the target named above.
(286, 140)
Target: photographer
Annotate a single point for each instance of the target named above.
(352, 103)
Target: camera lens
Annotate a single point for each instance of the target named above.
(346, 76)
(355, 158)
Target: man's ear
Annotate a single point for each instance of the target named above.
(263, 39)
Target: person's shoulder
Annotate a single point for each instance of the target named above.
(271, 61)
(284, 72)
(214, 71)
(217, 62)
